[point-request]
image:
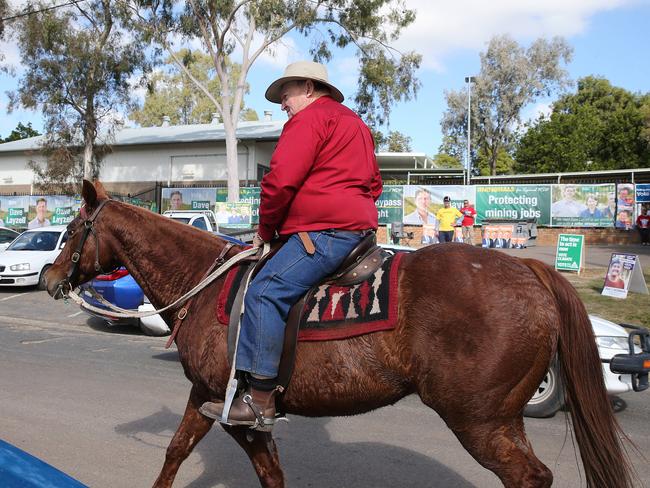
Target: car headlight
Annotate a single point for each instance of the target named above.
(613, 342)
(19, 267)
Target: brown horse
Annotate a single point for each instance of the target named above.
(476, 332)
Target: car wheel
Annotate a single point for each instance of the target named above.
(42, 285)
(549, 396)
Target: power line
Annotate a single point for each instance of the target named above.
(32, 12)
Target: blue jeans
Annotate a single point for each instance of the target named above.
(288, 275)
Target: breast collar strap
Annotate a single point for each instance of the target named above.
(89, 224)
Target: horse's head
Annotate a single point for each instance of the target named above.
(83, 257)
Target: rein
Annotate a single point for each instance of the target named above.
(65, 288)
(126, 314)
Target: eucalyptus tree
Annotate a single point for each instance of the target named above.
(171, 93)
(79, 64)
(4, 9)
(242, 30)
(510, 78)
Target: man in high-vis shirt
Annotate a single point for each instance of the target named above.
(447, 217)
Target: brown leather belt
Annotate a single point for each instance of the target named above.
(307, 243)
(356, 231)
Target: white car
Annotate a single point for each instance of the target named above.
(27, 258)
(612, 339)
(6, 237)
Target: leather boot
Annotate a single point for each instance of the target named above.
(255, 408)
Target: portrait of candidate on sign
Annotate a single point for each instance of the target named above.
(618, 275)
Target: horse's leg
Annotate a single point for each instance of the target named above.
(262, 452)
(192, 429)
(501, 446)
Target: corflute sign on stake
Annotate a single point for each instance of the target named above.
(569, 255)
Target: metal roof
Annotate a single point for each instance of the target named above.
(405, 160)
(173, 134)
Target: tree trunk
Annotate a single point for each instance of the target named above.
(494, 152)
(232, 161)
(89, 141)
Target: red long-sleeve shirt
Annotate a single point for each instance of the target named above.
(324, 174)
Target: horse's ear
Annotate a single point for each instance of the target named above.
(89, 194)
(101, 191)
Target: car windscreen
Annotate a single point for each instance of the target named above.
(182, 220)
(7, 236)
(35, 241)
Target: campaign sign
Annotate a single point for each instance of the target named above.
(569, 254)
(16, 217)
(624, 275)
(62, 216)
(500, 236)
(583, 205)
(251, 195)
(643, 193)
(233, 214)
(514, 202)
(389, 204)
(200, 205)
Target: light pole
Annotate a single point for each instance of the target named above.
(468, 165)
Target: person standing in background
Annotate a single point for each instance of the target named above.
(447, 216)
(469, 215)
(643, 224)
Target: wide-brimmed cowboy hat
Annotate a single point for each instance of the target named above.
(302, 70)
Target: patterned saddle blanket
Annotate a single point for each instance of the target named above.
(332, 312)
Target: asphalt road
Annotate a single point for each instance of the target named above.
(102, 404)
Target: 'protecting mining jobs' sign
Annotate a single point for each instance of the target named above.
(569, 254)
(515, 202)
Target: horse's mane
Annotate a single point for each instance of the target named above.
(150, 243)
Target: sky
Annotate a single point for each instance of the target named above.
(610, 38)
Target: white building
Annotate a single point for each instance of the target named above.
(179, 155)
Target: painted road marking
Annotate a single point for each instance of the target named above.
(10, 297)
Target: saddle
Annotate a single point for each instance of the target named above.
(361, 263)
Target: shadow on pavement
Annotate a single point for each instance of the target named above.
(101, 325)
(309, 458)
(167, 356)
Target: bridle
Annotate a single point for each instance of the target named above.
(65, 285)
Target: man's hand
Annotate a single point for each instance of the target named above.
(258, 241)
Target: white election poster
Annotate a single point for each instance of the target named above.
(624, 275)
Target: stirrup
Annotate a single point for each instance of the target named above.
(261, 423)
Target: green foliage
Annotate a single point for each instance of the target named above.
(172, 93)
(511, 77)
(599, 127)
(248, 115)
(504, 162)
(394, 142)
(444, 160)
(78, 63)
(21, 132)
(227, 28)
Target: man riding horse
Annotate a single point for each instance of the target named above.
(319, 197)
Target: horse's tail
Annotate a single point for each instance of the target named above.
(597, 432)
